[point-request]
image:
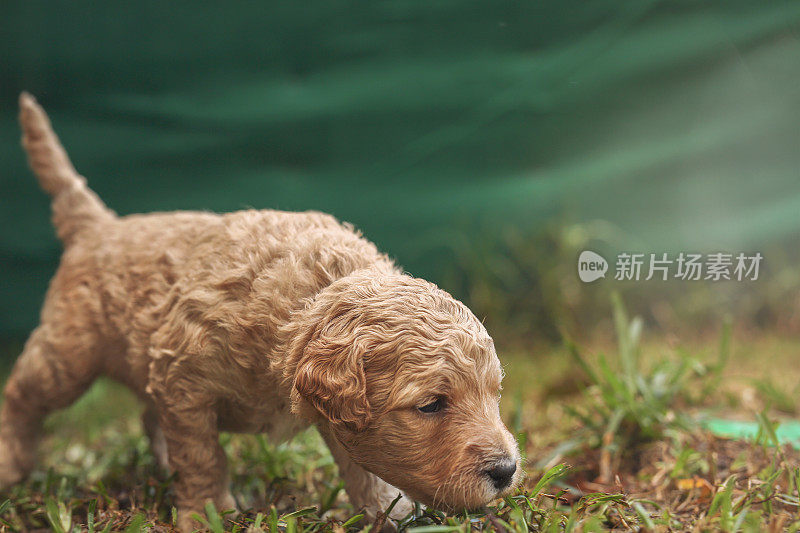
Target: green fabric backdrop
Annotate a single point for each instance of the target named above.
(678, 121)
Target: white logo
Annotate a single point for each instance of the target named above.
(591, 266)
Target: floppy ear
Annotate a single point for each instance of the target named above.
(330, 378)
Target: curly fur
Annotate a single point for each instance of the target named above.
(256, 321)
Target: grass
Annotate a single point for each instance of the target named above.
(631, 402)
(612, 442)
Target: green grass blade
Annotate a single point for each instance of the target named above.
(352, 520)
(137, 524)
(215, 521)
(548, 477)
(643, 515)
(58, 516)
(90, 515)
(300, 512)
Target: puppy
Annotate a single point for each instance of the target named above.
(258, 321)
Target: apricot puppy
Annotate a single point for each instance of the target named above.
(258, 321)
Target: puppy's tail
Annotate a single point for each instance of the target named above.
(75, 206)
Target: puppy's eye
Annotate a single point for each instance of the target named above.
(433, 407)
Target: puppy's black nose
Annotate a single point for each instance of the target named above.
(502, 473)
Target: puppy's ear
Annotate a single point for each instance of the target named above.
(330, 378)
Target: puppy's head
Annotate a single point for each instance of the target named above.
(407, 380)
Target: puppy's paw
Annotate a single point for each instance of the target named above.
(9, 475)
(187, 522)
(11, 472)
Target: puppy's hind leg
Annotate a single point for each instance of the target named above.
(48, 375)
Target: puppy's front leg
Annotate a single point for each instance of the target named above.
(189, 422)
(366, 490)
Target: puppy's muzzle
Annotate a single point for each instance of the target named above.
(502, 473)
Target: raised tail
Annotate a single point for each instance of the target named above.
(75, 206)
